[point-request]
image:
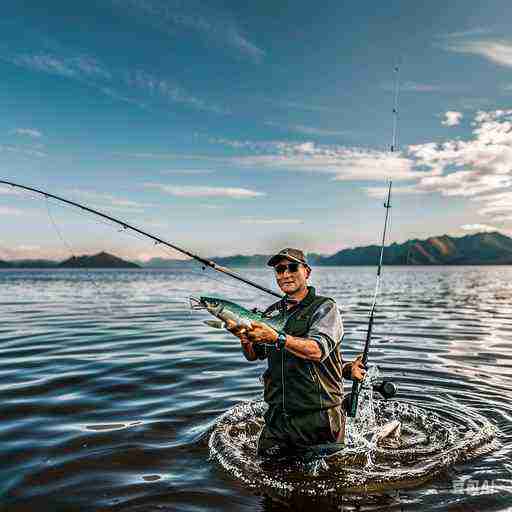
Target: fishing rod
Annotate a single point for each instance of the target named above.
(356, 385)
(204, 261)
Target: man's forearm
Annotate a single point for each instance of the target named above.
(303, 348)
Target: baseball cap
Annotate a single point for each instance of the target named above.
(290, 254)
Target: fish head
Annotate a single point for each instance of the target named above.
(213, 305)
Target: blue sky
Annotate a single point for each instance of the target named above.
(229, 127)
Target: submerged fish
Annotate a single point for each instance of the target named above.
(226, 310)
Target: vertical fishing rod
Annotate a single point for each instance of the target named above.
(204, 261)
(394, 141)
(356, 385)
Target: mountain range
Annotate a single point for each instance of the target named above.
(478, 249)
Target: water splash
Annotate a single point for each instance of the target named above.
(428, 444)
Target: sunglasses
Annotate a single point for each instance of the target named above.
(291, 267)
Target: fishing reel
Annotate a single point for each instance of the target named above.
(385, 388)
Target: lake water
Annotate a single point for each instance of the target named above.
(109, 383)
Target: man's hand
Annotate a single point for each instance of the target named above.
(358, 369)
(261, 333)
(241, 333)
(238, 330)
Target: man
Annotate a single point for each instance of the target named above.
(304, 378)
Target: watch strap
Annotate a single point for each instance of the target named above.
(281, 341)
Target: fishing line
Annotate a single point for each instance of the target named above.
(204, 261)
(131, 234)
(73, 254)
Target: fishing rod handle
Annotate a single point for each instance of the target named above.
(354, 399)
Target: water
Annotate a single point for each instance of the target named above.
(109, 385)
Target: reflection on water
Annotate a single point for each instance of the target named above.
(109, 384)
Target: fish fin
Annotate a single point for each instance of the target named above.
(216, 324)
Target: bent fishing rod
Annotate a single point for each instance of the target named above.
(204, 261)
(356, 385)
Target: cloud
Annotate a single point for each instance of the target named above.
(214, 25)
(30, 132)
(254, 220)
(308, 130)
(7, 190)
(169, 91)
(477, 31)
(112, 82)
(479, 168)
(187, 172)
(105, 200)
(409, 86)
(205, 191)
(22, 150)
(67, 66)
(301, 105)
(497, 51)
(479, 228)
(452, 118)
(343, 163)
(7, 210)
(381, 192)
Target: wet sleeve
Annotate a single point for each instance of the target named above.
(326, 328)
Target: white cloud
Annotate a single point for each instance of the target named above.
(187, 172)
(477, 31)
(381, 192)
(170, 91)
(451, 118)
(212, 23)
(479, 168)
(7, 190)
(344, 163)
(497, 51)
(87, 69)
(77, 66)
(479, 227)
(254, 220)
(409, 86)
(311, 130)
(7, 210)
(205, 191)
(30, 132)
(308, 130)
(23, 150)
(105, 200)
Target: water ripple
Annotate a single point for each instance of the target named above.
(109, 385)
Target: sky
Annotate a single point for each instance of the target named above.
(244, 127)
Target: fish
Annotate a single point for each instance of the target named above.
(389, 431)
(227, 311)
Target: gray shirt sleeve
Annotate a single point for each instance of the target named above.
(326, 328)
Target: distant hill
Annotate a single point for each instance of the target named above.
(33, 263)
(166, 263)
(479, 249)
(100, 260)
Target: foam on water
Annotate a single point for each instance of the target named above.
(430, 442)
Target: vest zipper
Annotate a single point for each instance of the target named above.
(283, 355)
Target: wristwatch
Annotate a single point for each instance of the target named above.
(281, 341)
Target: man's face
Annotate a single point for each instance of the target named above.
(291, 282)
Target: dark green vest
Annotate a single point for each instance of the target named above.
(297, 385)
